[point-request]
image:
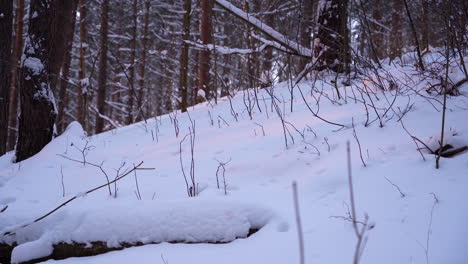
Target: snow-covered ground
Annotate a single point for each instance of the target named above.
(258, 175)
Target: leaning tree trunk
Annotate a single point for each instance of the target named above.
(44, 50)
(102, 80)
(6, 30)
(204, 55)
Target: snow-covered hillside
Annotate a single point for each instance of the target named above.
(416, 213)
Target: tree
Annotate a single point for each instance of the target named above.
(332, 49)
(307, 19)
(144, 52)
(183, 83)
(396, 43)
(83, 81)
(205, 54)
(44, 50)
(63, 95)
(102, 79)
(131, 78)
(6, 31)
(14, 94)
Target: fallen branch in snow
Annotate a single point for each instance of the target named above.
(295, 47)
(4, 209)
(135, 168)
(226, 50)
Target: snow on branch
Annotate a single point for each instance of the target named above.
(295, 47)
(225, 50)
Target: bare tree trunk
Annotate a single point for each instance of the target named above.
(44, 50)
(331, 46)
(6, 31)
(117, 90)
(102, 80)
(183, 84)
(14, 94)
(396, 43)
(144, 52)
(131, 96)
(307, 18)
(251, 58)
(376, 31)
(425, 25)
(82, 105)
(204, 55)
(63, 101)
(415, 36)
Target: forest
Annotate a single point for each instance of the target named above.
(173, 130)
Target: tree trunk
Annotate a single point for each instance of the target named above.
(14, 94)
(396, 43)
(425, 25)
(331, 48)
(204, 55)
(183, 83)
(102, 79)
(307, 18)
(131, 79)
(6, 31)
(144, 52)
(82, 92)
(377, 32)
(43, 51)
(63, 101)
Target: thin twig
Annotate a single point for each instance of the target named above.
(298, 223)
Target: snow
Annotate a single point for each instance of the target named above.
(407, 229)
(34, 64)
(280, 38)
(196, 220)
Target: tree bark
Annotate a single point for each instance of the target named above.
(205, 54)
(331, 48)
(377, 32)
(396, 44)
(131, 96)
(144, 52)
(6, 31)
(102, 79)
(307, 19)
(82, 92)
(14, 94)
(183, 79)
(63, 101)
(42, 57)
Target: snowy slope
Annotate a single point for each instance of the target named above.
(409, 229)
